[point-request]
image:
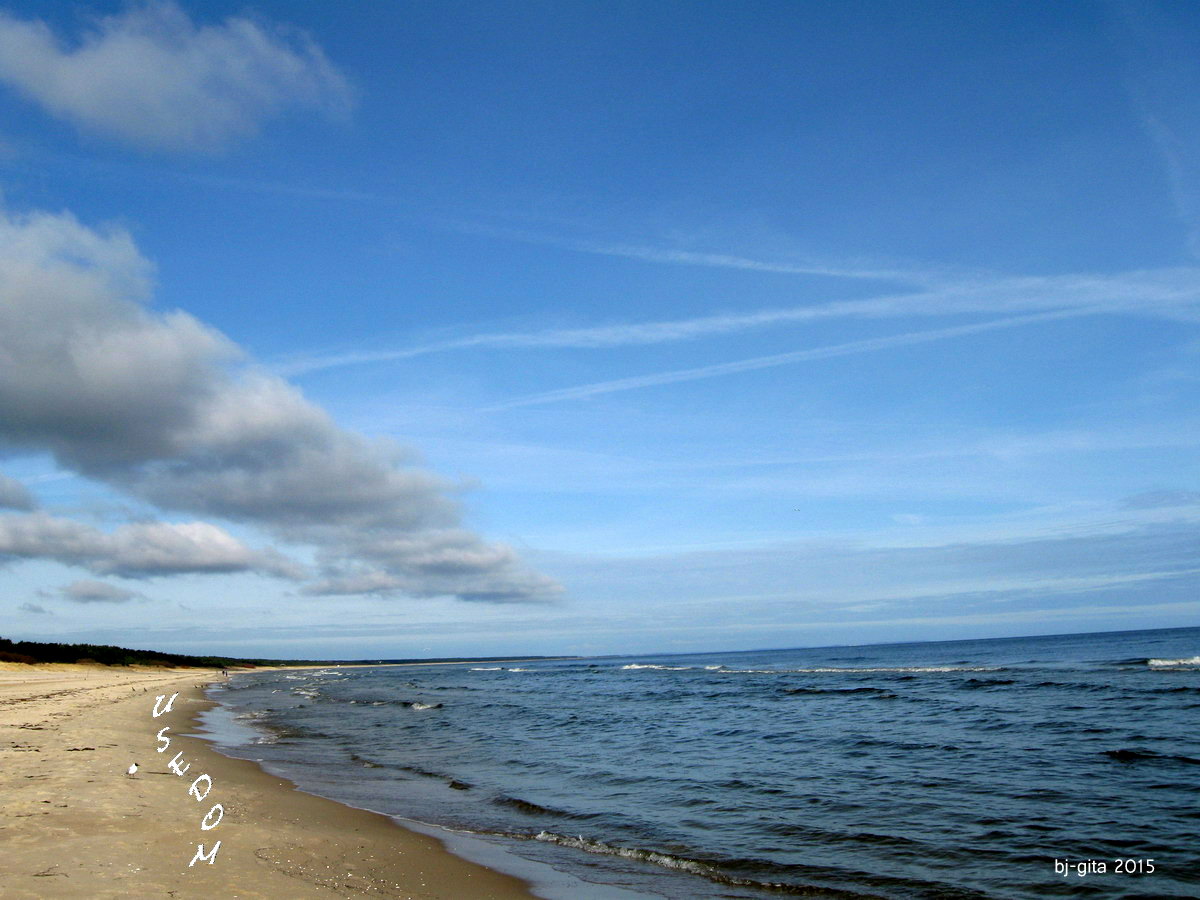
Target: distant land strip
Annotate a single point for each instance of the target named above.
(33, 652)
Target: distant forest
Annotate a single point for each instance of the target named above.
(36, 652)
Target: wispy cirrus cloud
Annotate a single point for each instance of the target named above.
(1039, 567)
(1162, 77)
(698, 373)
(151, 77)
(1171, 293)
(1163, 499)
(855, 269)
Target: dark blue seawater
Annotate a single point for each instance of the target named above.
(963, 769)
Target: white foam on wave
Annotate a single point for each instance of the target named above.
(666, 860)
(822, 670)
(489, 669)
(662, 859)
(840, 670)
(1161, 663)
(649, 666)
(426, 705)
(252, 714)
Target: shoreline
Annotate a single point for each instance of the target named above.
(74, 825)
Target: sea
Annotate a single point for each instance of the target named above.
(1005, 768)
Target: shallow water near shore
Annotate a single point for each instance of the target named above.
(1001, 768)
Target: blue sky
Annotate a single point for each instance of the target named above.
(433, 329)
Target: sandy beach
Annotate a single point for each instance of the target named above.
(74, 824)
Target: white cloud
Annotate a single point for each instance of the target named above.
(447, 561)
(155, 404)
(86, 591)
(142, 550)
(14, 495)
(151, 77)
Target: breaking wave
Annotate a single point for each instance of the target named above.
(1190, 662)
(651, 666)
(696, 867)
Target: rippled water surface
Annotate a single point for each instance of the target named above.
(938, 770)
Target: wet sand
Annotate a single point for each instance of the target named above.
(73, 824)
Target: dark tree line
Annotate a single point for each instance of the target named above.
(104, 654)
